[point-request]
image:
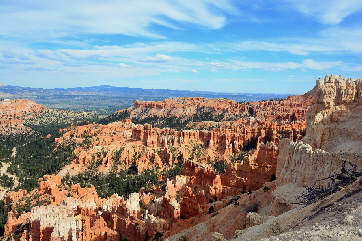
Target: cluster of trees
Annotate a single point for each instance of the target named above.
(36, 155)
(60, 117)
(202, 114)
(25, 204)
(39, 156)
(3, 217)
(123, 182)
(219, 166)
(239, 157)
(115, 117)
(6, 181)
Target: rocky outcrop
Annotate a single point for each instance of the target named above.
(188, 108)
(17, 115)
(334, 134)
(78, 215)
(335, 90)
(14, 112)
(178, 111)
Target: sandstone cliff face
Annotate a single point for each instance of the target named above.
(185, 108)
(202, 109)
(334, 134)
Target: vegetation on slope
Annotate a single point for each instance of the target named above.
(36, 155)
(202, 114)
(123, 182)
(30, 156)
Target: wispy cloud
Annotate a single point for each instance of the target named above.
(192, 81)
(327, 11)
(136, 50)
(326, 42)
(38, 69)
(54, 19)
(307, 63)
(85, 40)
(311, 64)
(239, 80)
(274, 69)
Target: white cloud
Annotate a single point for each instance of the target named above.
(218, 65)
(124, 65)
(328, 41)
(8, 54)
(357, 68)
(311, 64)
(195, 71)
(160, 58)
(272, 66)
(274, 69)
(327, 11)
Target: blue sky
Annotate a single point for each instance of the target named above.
(255, 46)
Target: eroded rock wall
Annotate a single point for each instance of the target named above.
(334, 134)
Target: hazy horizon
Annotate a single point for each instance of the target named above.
(221, 92)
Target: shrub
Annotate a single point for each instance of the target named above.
(346, 176)
(219, 167)
(183, 238)
(252, 208)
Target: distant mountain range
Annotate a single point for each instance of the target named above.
(110, 98)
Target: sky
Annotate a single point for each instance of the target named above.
(236, 46)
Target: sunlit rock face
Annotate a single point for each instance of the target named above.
(334, 134)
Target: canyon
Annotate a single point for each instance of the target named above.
(208, 169)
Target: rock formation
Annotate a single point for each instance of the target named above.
(333, 137)
(14, 112)
(334, 133)
(16, 115)
(244, 136)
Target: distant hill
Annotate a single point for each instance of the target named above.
(106, 98)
